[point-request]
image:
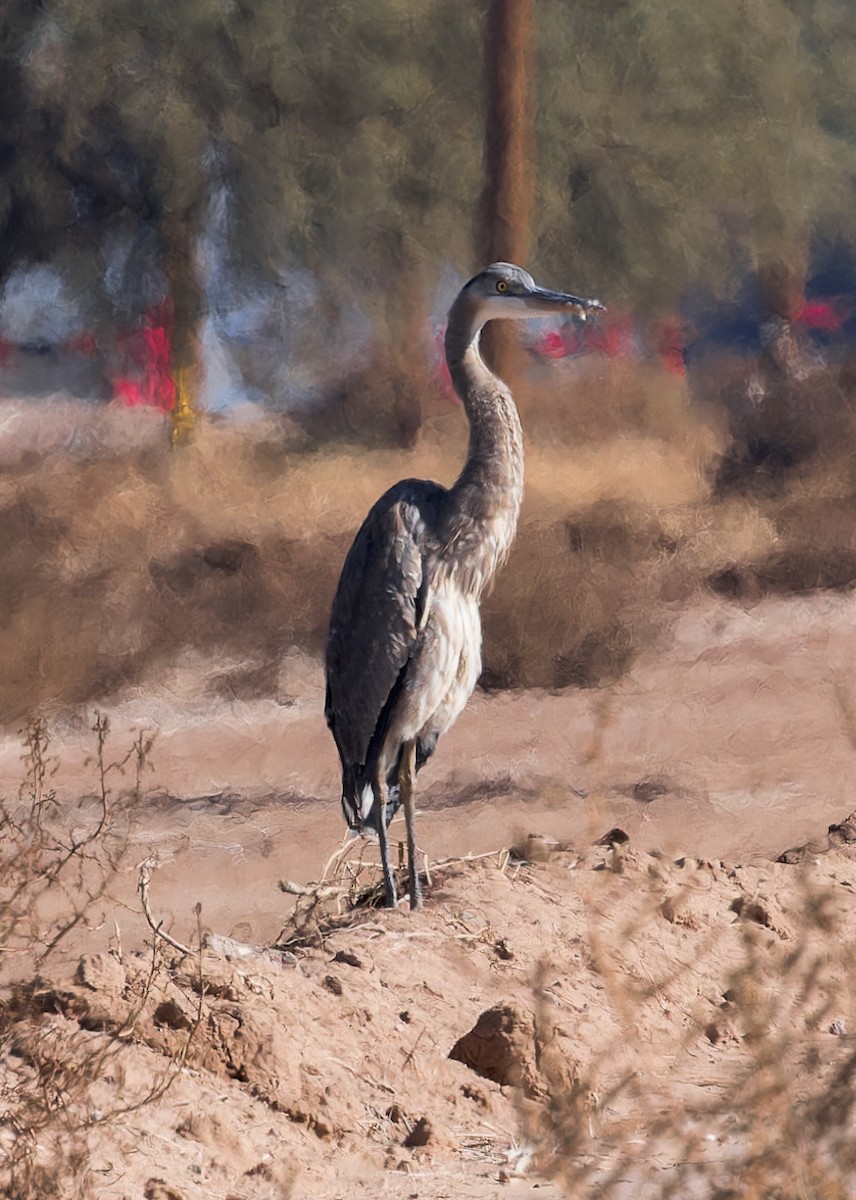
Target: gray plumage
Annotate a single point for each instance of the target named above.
(404, 648)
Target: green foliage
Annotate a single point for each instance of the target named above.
(690, 140)
(676, 143)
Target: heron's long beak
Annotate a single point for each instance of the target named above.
(546, 301)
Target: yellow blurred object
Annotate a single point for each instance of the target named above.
(184, 411)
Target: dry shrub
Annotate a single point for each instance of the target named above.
(118, 554)
(781, 424)
(574, 604)
(816, 545)
(812, 526)
(593, 400)
(114, 563)
(59, 1046)
(56, 865)
(765, 1003)
(43, 1145)
(55, 868)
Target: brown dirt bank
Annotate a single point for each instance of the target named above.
(679, 1006)
(613, 1019)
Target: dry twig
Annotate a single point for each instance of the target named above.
(156, 926)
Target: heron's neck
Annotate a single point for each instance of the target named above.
(490, 486)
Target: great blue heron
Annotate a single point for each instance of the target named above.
(404, 648)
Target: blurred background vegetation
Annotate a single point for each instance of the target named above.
(218, 149)
(278, 201)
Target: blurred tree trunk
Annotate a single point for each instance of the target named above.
(177, 236)
(507, 199)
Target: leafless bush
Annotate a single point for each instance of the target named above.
(772, 1115)
(54, 869)
(55, 1042)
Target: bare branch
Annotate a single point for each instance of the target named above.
(155, 926)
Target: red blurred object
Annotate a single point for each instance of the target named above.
(552, 345)
(559, 343)
(612, 336)
(145, 353)
(824, 315)
(670, 339)
(84, 344)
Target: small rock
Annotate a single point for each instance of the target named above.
(348, 958)
(616, 862)
(171, 1014)
(320, 1127)
(535, 848)
(845, 833)
(159, 1189)
(838, 1028)
(213, 975)
(101, 973)
(795, 855)
(420, 1135)
(501, 1047)
(229, 947)
(614, 837)
(751, 911)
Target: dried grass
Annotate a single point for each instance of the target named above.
(56, 868)
(119, 555)
(773, 1118)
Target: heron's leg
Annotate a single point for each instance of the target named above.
(406, 777)
(379, 792)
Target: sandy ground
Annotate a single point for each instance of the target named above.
(732, 740)
(733, 737)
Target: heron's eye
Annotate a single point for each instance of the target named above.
(501, 285)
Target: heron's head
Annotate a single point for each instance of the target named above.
(503, 290)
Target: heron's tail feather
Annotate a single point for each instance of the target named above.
(358, 803)
(357, 794)
(357, 800)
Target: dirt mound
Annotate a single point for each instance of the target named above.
(501, 1047)
(587, 1017)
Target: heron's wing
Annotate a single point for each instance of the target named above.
(378, 612)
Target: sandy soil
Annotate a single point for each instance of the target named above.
(732, 740)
